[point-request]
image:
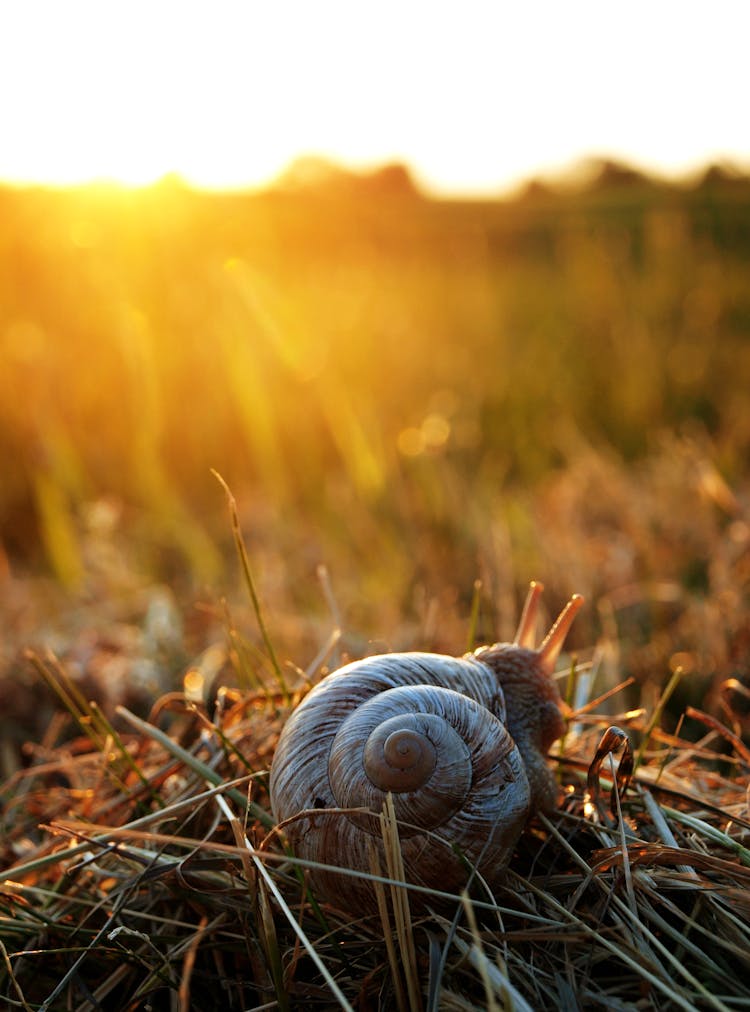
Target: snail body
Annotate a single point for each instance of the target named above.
(458, 742)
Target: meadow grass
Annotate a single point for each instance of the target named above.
(139, 871)
(418, 405)
(340, 357)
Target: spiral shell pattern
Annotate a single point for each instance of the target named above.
(459, 744)
(456, 777)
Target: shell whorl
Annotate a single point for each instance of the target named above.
(453, 745)
(458, 743)
(401, 754)
(471, 807)
(347, 705)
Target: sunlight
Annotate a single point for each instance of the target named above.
(123, 101)
(131, 93)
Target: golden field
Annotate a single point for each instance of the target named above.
(419, 405)
(414, 393)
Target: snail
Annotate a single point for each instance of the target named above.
(458, 742)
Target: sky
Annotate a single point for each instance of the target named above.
(474, 96)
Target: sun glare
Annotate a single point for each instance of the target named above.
(123, 100)
(229, 97)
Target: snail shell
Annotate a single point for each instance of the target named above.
(459, 743)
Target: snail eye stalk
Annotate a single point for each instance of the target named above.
(525, 634)
(552, 644)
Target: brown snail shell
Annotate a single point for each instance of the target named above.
(459, 743)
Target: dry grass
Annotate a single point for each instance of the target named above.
(140, 873)
(138, 867)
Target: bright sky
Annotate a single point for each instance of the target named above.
(473, 95)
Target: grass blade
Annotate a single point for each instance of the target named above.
(239, 542)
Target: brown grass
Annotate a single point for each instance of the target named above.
(138, 873)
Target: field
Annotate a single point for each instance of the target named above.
(419, 405)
